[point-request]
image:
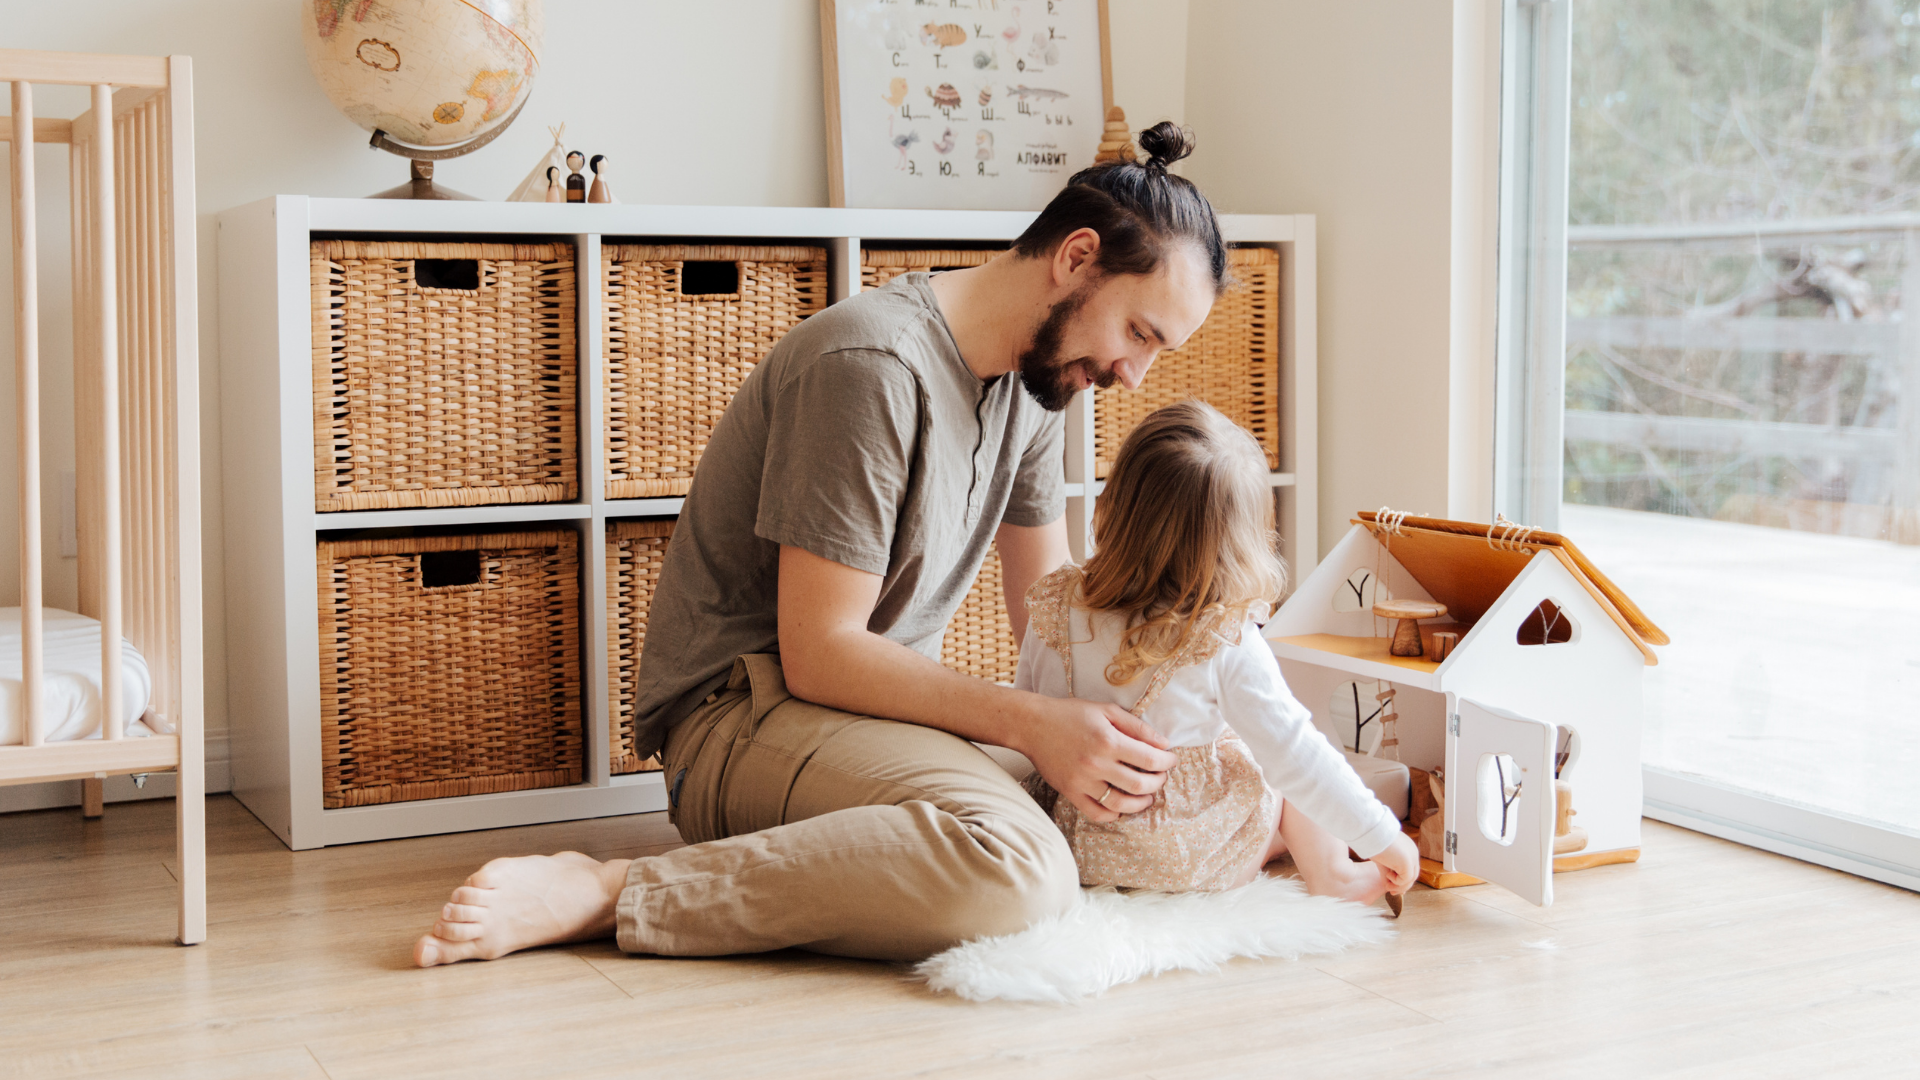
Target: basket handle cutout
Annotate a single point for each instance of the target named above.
(709, 278)
(449, 569)
(458, 275)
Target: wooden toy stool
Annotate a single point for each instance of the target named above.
(1406, 636)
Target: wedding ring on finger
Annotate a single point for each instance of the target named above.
(1102, 800)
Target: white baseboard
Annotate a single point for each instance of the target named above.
(1859, 847)
(58, 793)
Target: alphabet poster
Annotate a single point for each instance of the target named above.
(961, 104)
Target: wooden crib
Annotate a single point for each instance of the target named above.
(136, 404)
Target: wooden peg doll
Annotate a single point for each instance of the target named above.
(556, 187)
(576, 182)
(599, 192)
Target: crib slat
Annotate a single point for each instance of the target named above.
(149, 455)
(139, 170)
(106, 284)
(131, 224)
(158, 492)
(26, 351)
(126, 322)
(86, 369)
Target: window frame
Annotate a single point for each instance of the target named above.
(1530, 362)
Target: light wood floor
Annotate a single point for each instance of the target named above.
(1704, 960)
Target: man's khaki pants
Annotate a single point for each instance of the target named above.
(818, 829)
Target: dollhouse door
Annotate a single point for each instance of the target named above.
(1499, 798)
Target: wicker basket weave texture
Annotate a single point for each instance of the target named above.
(635, 552)
(1232, 363)
(675, 359)
(459, 689)
(979, 640)
(881, 265)
(443, 396)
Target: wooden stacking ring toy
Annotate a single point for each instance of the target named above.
(1406, 636)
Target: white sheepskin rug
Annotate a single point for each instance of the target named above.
(1111, 938)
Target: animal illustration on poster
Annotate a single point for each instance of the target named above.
(1036, 92)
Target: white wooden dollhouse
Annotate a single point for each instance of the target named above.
(1537, 690)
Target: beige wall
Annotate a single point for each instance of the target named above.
(1149, 50)
(1342, 110)
(716, 102)
(1302, 106)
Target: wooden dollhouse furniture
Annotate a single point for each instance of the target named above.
(1542, 686)
(136, 391)
(279, 397)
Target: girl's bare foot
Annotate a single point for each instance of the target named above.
(1363, 882)
(514, 904)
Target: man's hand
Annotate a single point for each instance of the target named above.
(1081, 748)
(832, 659)
(1400, 863)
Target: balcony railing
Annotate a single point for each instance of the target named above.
(1876, 453)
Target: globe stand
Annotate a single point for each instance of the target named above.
(421, 185)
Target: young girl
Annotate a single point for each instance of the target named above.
(1163, 621)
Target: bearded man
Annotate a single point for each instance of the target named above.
(820, 762)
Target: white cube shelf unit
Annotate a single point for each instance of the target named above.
(266, 360)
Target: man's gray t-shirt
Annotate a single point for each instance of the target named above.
(864, 438)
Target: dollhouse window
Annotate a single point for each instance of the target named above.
(1547, 624)
(1566, 750)
(1356, 714)
(1358, 592)
(1498, 786)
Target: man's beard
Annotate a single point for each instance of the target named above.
(1043, 371)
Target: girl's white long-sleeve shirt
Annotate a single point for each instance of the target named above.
(1238, 688)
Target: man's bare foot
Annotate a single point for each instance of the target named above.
(514, 904)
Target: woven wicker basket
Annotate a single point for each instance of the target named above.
(1232, 363)
(460, 392)
(448, 666)
(881, 265)
(677, 347)
(979, 640)
(635, 550)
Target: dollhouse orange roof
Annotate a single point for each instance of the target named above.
(1466, 566)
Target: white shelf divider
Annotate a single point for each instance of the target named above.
(510, 514)
(593, 483)
(669, 507)
(271, 526)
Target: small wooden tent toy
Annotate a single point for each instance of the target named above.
(1542, 674)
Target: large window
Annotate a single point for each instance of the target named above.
(1711, 382)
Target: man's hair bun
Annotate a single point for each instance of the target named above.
(1165, 143)
(1139, 210)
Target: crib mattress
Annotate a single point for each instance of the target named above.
(70, 695)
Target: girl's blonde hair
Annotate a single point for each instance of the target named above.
(1184, 529)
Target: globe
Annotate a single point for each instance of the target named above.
(428, 73)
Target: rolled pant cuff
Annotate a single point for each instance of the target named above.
(628, 925)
